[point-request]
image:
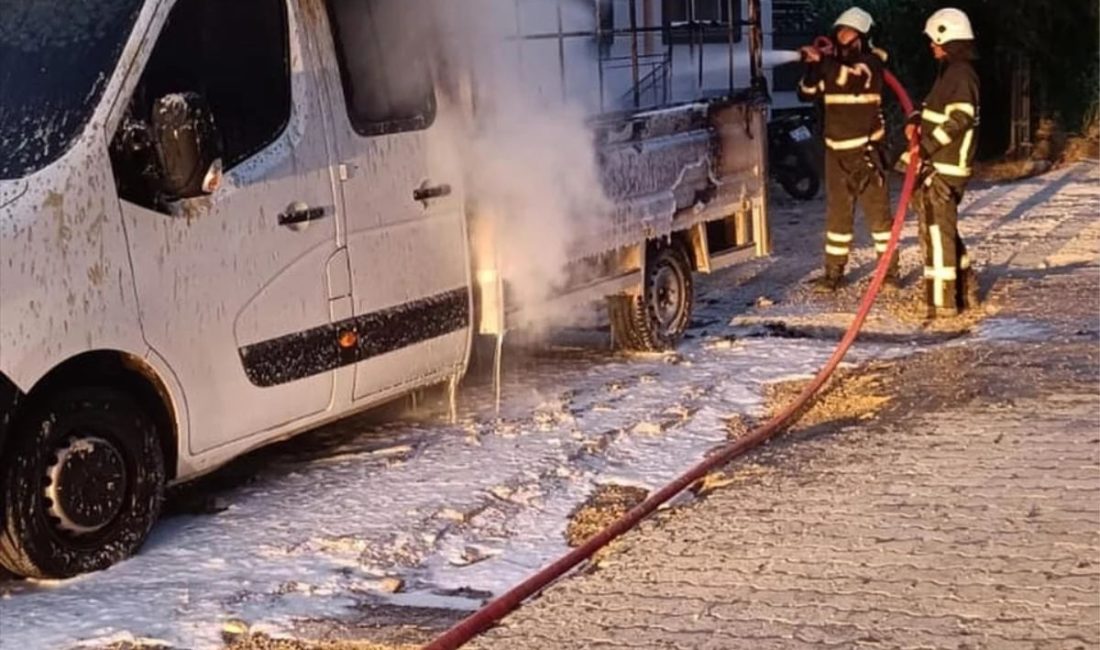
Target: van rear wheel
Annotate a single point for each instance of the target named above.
(82, 485)
(657, 319)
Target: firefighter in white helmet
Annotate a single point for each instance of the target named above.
(849, 82)
(947, 126)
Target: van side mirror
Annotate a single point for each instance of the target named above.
(188, 146)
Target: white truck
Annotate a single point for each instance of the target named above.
(217, 230)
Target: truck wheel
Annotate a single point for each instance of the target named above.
(658, 318)
(81, 486)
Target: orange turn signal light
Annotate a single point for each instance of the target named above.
(348, 339)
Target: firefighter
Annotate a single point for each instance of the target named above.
(947, 129)
(849, 83)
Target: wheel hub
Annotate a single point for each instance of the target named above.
(669, 299)
(86, 485)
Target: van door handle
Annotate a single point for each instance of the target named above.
(298, 213)
(425, 193)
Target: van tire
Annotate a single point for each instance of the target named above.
(93, 442)
(657, 319)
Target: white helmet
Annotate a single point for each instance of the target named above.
(857, 19)
(948, 25)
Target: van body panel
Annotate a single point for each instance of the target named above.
(193, 466)
(176, 401)
(10, 191)
(407, 256)
(223, 275)
(66, 285)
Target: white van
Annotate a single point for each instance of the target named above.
(217, 229)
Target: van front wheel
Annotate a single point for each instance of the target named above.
(82, 484)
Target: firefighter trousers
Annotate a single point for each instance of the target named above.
(946, 263)
(850, 179)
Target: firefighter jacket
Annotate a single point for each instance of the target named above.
(949, 119)
(852, 94)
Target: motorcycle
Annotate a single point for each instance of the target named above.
(790, 160)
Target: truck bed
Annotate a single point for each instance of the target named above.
(694, 170)
(667, 170)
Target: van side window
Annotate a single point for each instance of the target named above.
(387, 81)
(235, 57)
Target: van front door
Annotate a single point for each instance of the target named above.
(234, 288)
(406, 233)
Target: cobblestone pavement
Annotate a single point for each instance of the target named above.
(965, 515)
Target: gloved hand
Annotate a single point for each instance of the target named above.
(902, 163)
(926, 173)
(810, 54)
(911, 131)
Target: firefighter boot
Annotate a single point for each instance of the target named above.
(935, 313)
(969, 298)
(832, 280)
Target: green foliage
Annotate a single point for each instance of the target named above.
(1061, 38)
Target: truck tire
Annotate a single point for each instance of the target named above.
(81, 485)
(657, 319)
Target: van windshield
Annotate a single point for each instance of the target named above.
(56, 57)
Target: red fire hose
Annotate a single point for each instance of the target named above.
(504, 604)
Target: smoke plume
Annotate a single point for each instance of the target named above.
(527, 156)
